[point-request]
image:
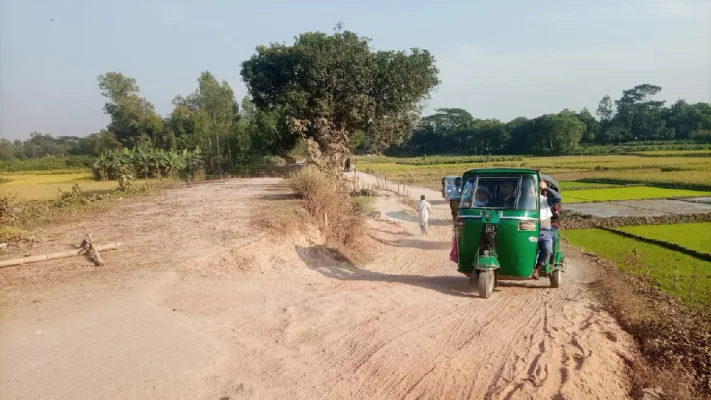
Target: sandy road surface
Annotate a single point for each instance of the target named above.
(198, 304)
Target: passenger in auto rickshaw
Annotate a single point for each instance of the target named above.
(549, 198)
(507, 199)
(481, 197)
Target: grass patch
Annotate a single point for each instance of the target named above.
(632, 193)
(695, 236)
(680, 275)
(363, 204)
(575, 184)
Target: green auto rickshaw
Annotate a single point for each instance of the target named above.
(498, 227)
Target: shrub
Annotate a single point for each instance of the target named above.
(10, 210)
(328, 201)
(48, 163)
(274, 160)
(149, 163)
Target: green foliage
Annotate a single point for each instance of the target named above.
(635, 122)
(48, 163)
(274, 160)
(42, 145)
(133, 118)
(144, 162)
(334, 85)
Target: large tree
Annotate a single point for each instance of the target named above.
(641, 116)
(605, 110)
(206, 119)
(133, 118)
(332, 85)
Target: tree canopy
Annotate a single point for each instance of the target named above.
(636, 116)
(333, 85)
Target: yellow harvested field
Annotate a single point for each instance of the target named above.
(47, 186)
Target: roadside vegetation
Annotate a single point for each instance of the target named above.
(674, 338)
(695, 236)
(680, 275)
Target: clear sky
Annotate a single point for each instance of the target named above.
(497, 59)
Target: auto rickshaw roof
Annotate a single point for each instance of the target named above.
(518, 171)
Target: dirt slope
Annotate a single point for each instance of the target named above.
(199, 304)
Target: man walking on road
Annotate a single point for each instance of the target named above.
(423, 214)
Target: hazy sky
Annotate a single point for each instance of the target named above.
(497, 59)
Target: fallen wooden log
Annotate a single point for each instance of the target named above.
(59, 254)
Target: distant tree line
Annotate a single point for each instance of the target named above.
(209, 119)
(44, 144)
(635, 117)
(306, 97)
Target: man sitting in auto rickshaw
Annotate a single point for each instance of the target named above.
(507, 199)
(546, 241)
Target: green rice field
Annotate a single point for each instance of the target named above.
(628, 193)
(575, 184)
(694, 236)
(679, 169)
(660, 263)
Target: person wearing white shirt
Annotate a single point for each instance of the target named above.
(423, 214)
(546, 241)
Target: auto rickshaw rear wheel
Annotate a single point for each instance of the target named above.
(485, 283)
(556, 278)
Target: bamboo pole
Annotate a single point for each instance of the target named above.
(59, 254)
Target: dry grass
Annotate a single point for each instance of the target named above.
(18, 214)
(282, 218)
(46, 186)
(327, 200)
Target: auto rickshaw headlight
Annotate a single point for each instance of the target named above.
(527, 226)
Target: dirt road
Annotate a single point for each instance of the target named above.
(199, 304)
